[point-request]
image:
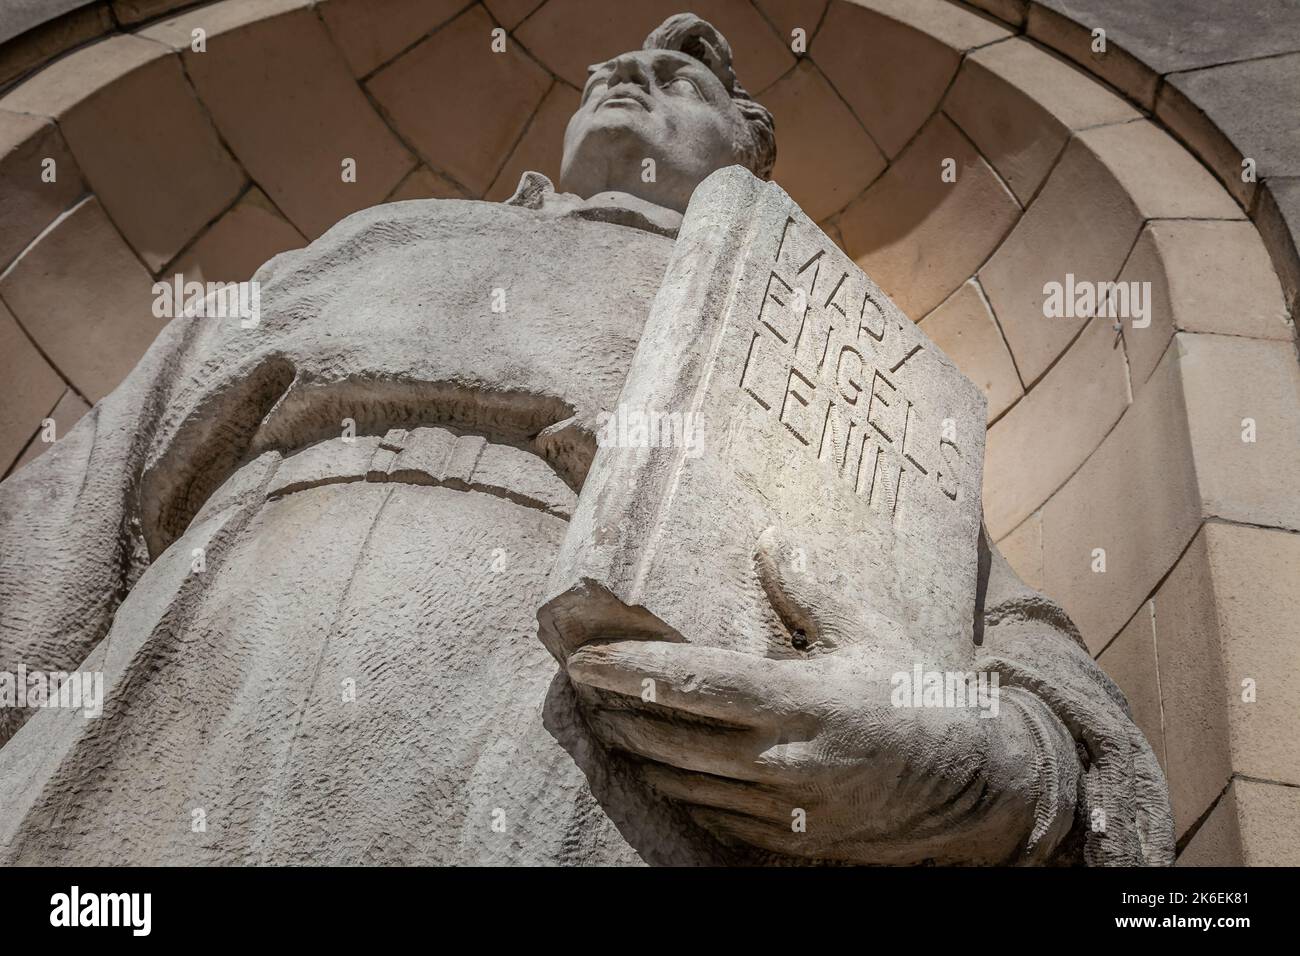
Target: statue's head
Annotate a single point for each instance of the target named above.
(675, 101)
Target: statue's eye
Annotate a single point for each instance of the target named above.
(680, 84)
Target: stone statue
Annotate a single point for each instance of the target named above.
(307, 555)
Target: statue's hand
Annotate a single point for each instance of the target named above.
(810, 757)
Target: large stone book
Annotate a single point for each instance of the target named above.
(779, 409)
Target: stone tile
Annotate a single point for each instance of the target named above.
(1130, 661)
(567, 36)
(85, 299)
(964, 328)
(510, 13)
(1226, 380)
(486, 102)
(542, 144)
(1019, 104)
(424, 183)
(31, 389)
(130, 12)
(1074, 39)
(1012, 11)
(140, 137)
(892, 60)
(1259, 633)
(369, 38)
(1084, 223)
(1189, 122)
(1239, 110)
(70, 410)
(1218, 841)
(239, 242)
(1278, 219)
(1239, 100)
(18, 17)
(786, 15)
(1048, 434)
(286, 103)
(1136, 498)
(824, 158)
(27, 203)
(919, 237)
(1210, 276)
(1269, 818)
(1164, 180)
(43, 43)
(1204, 32)
(1023, 549)
(1193, 688)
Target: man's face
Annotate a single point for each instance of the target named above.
(652, 104)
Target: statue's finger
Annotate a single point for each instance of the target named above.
(722, 751)
(735, 688)
(709, 790)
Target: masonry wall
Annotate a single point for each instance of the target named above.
(1143, 476)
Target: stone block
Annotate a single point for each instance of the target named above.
(85, 299)
(824, 159)
(1046, 436)
(921, 237)
(27, 202)
(144, 143)
(1019, 104)
(486, 101)
(284, 99)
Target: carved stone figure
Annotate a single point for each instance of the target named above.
(308, 554)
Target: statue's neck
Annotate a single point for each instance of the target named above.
(535, 191)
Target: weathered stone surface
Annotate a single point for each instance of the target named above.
(376, 475)
(42, 43)
(964, 329)
(1130, 660)
(369, 39)
(826, 159)
(1278, 218)
(1253, 824)
(539, 148)
(567, 36)
(1229, 113)
(469, 135)
(27, 202)
(66, 413)
(921, 237)
(890, 72)
(816, 416)
(1046, 436)
(1115, 65)
(1243, 414)
(233, 247)
(85, 299)
(1023, 549)
(34, 389)
(1218, 841)
(1209, 32)
(279, 57)
(1019, 104)
(423, 183)
(1193, 688)
(1205, 277)
(140, 137)
(1135, 498)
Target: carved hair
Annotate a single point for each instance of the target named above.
(687, 33)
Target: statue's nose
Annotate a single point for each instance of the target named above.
(628, 69)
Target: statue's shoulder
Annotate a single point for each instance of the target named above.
(537, 221)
